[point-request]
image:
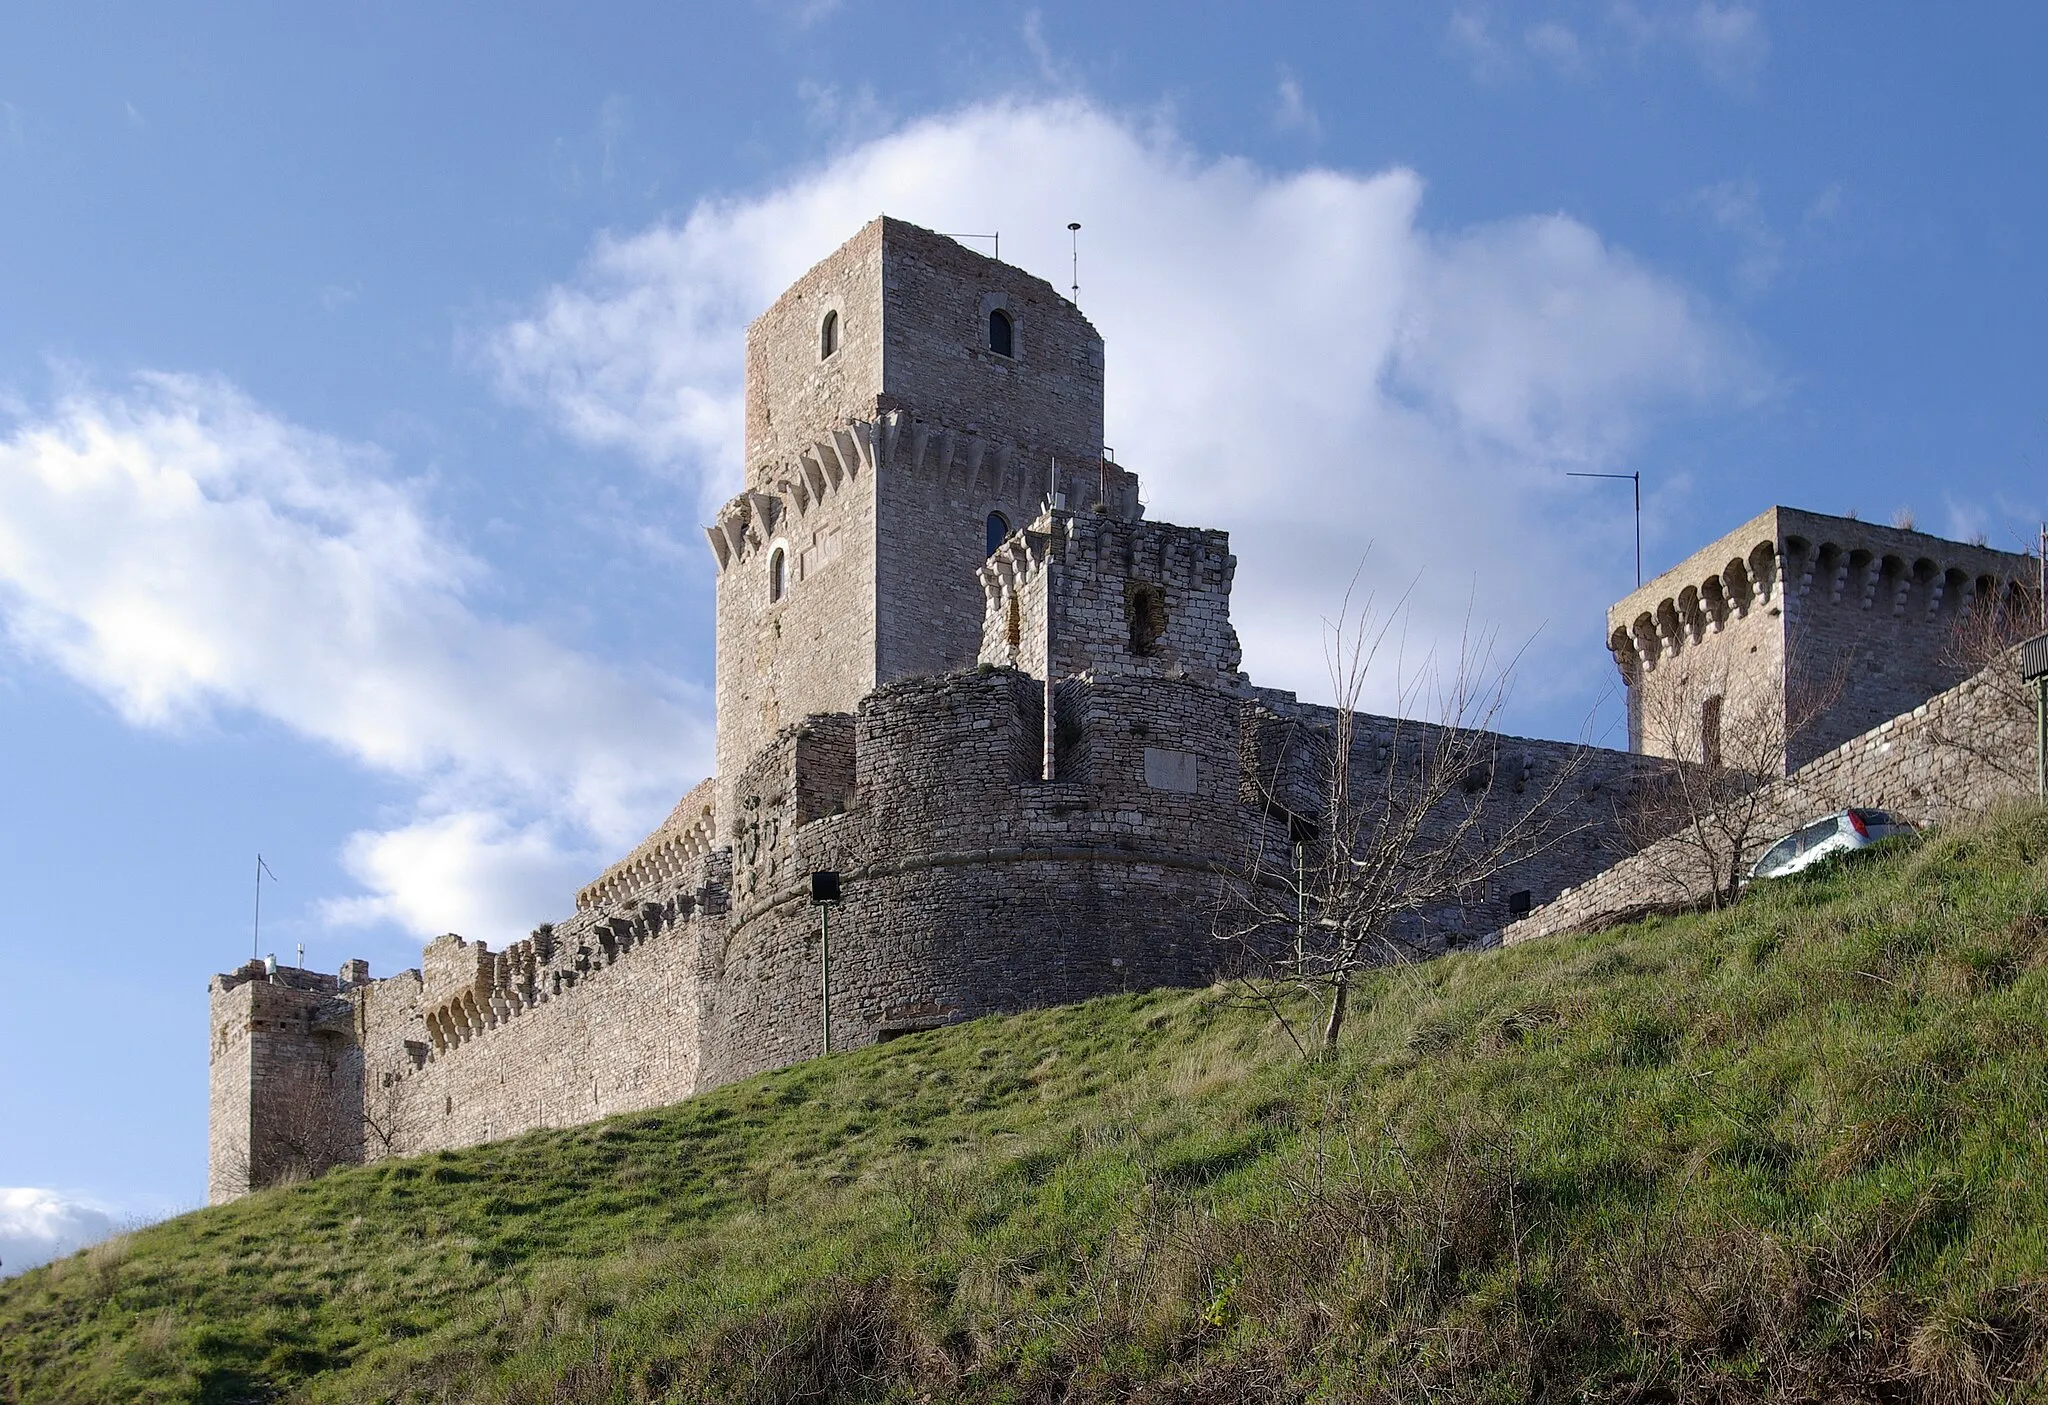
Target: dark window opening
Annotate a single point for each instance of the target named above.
(997, 531)
(1145, 607)
(1520, 903)
(1000, 334)
(778, 574)
(1013, 625)
(1710, 732)
(828, 335)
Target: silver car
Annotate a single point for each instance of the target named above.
(1830, 834)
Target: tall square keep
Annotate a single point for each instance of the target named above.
(909, 404)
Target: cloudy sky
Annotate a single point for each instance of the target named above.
(364, 378)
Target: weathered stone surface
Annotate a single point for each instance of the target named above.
(1794, 605)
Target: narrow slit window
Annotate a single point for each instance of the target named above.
(778, 574)
(828, 335)
(1001, 336)
(1710, 733)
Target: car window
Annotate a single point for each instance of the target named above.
(1817, 833)
(1875, 817)
(1780, 853)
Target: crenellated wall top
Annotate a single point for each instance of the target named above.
(1784, 560)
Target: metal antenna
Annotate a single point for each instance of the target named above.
(1074, 237)
(1637, 479)
(995, 239)
(256, 933)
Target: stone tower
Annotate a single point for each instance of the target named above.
(1841, 622)
(284, 1075)
(910, 403)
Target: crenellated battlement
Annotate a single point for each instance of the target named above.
(689, 833)
(466, 990)
(1796, 612)
(1085, 593)
(1785, 562)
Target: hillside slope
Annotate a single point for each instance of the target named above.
(1795, 1151)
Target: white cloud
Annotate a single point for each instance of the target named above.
(182, 552)
(1729, 40)
(1291, 112)
(1471, 33)
(848, 115)
(1292, 356)
(511, 877)
(1557, 46)
(37, 1226)
(1050, 69)
(1736, 210)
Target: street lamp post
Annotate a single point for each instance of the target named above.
(824, 896)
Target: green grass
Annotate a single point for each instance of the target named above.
(1798, 1150)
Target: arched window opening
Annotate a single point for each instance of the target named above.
(778, 574)
(1145, 607)
(828, 336)
(996, 532)
(1000, 333)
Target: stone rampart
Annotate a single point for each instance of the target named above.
(970, 884)
(1948, 759)
(597, 1015)
(1559, 799)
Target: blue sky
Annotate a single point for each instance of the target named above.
(364, 377)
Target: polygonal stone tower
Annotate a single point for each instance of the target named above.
(1845, 623)
(910, 403)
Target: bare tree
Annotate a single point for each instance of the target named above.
(1983, 644)
(1701, 822)
(301, 1124)
(1383, 832)
(388, 1125)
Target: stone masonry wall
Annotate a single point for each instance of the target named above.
(1128, 598)
(814, 648)
(1846, 622)
(598, 1015)
(285, 1079)
(1285, 748)
(971, 886)
(795, 395)
(1952, 757)
(1046, 397)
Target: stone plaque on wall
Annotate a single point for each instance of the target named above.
(1170, 770)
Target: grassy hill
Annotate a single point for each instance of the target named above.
(1794, 1151)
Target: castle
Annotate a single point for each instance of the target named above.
(958, 668)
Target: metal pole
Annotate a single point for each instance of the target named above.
(1050, 768)
(1300, 902)
(1637, 479)
(825, 971)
